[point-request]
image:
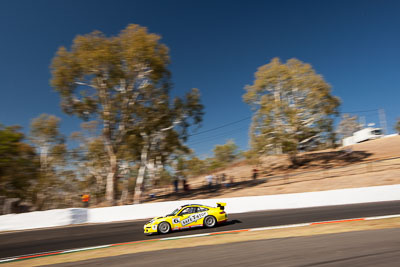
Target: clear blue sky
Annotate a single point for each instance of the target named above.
(215, 46)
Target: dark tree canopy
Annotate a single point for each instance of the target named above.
(19, 165)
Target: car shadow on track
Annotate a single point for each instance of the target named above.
(195, 230)
(229, 223)
(218, 226)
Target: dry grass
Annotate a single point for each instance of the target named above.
(321, 170)
(214, 240)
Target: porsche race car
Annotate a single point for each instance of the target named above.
(187, 216)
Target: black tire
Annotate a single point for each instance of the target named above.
(209, 221)
(164, 228)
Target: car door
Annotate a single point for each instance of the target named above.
(183, 214)
(187, 217)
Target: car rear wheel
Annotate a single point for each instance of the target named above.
(210, 221)
(164, 228)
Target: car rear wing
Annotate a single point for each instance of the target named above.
(221, 206)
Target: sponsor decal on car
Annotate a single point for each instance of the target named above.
(176, 220)
(193, 218)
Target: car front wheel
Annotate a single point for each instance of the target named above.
(210, 221)
(164, 228)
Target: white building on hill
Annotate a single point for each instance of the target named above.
(363, 135)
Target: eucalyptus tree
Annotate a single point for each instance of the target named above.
(91, 159)
(226, 153)
(293, 106)
(163, 129)
(112, 80)
(348, 125)
(50, 143)
(46, 136)
(397, 126)
(19, 168)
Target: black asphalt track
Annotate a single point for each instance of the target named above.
(361, 248)
(36, 241)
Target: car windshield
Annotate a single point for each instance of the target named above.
(174, 212)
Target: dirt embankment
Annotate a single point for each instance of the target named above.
(370, 163)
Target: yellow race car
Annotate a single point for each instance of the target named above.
(187, 216)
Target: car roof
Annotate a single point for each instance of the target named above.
(188, 205)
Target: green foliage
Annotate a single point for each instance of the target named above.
(163, 125)
(196, 166)
(50, 144)
(19, 166)
(165, 178)
(45, 130)
(293, 107)
(188, 165)
(397, 126)
(212, 164)
(90, 160)
(226, 153)
(181, 165)
(123, 83)
(105, 76)
(45, 135)
(193, 166)
(108, 77)
(91, 146)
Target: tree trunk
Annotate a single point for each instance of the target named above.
(152, 170)
(43, 158)
(293, 159)
(39, 201)
(111, 177)
(99, 188)
(278, 149)
(139, 183)
(142, 169)
(124, 195)
(159, 169)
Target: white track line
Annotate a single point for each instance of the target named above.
(4, 260)
(88, 248)
(280, 227)
(382, 217)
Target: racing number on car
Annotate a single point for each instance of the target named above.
(193, 218)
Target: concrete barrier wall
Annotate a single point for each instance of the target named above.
(36, 219)
(53, 218)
